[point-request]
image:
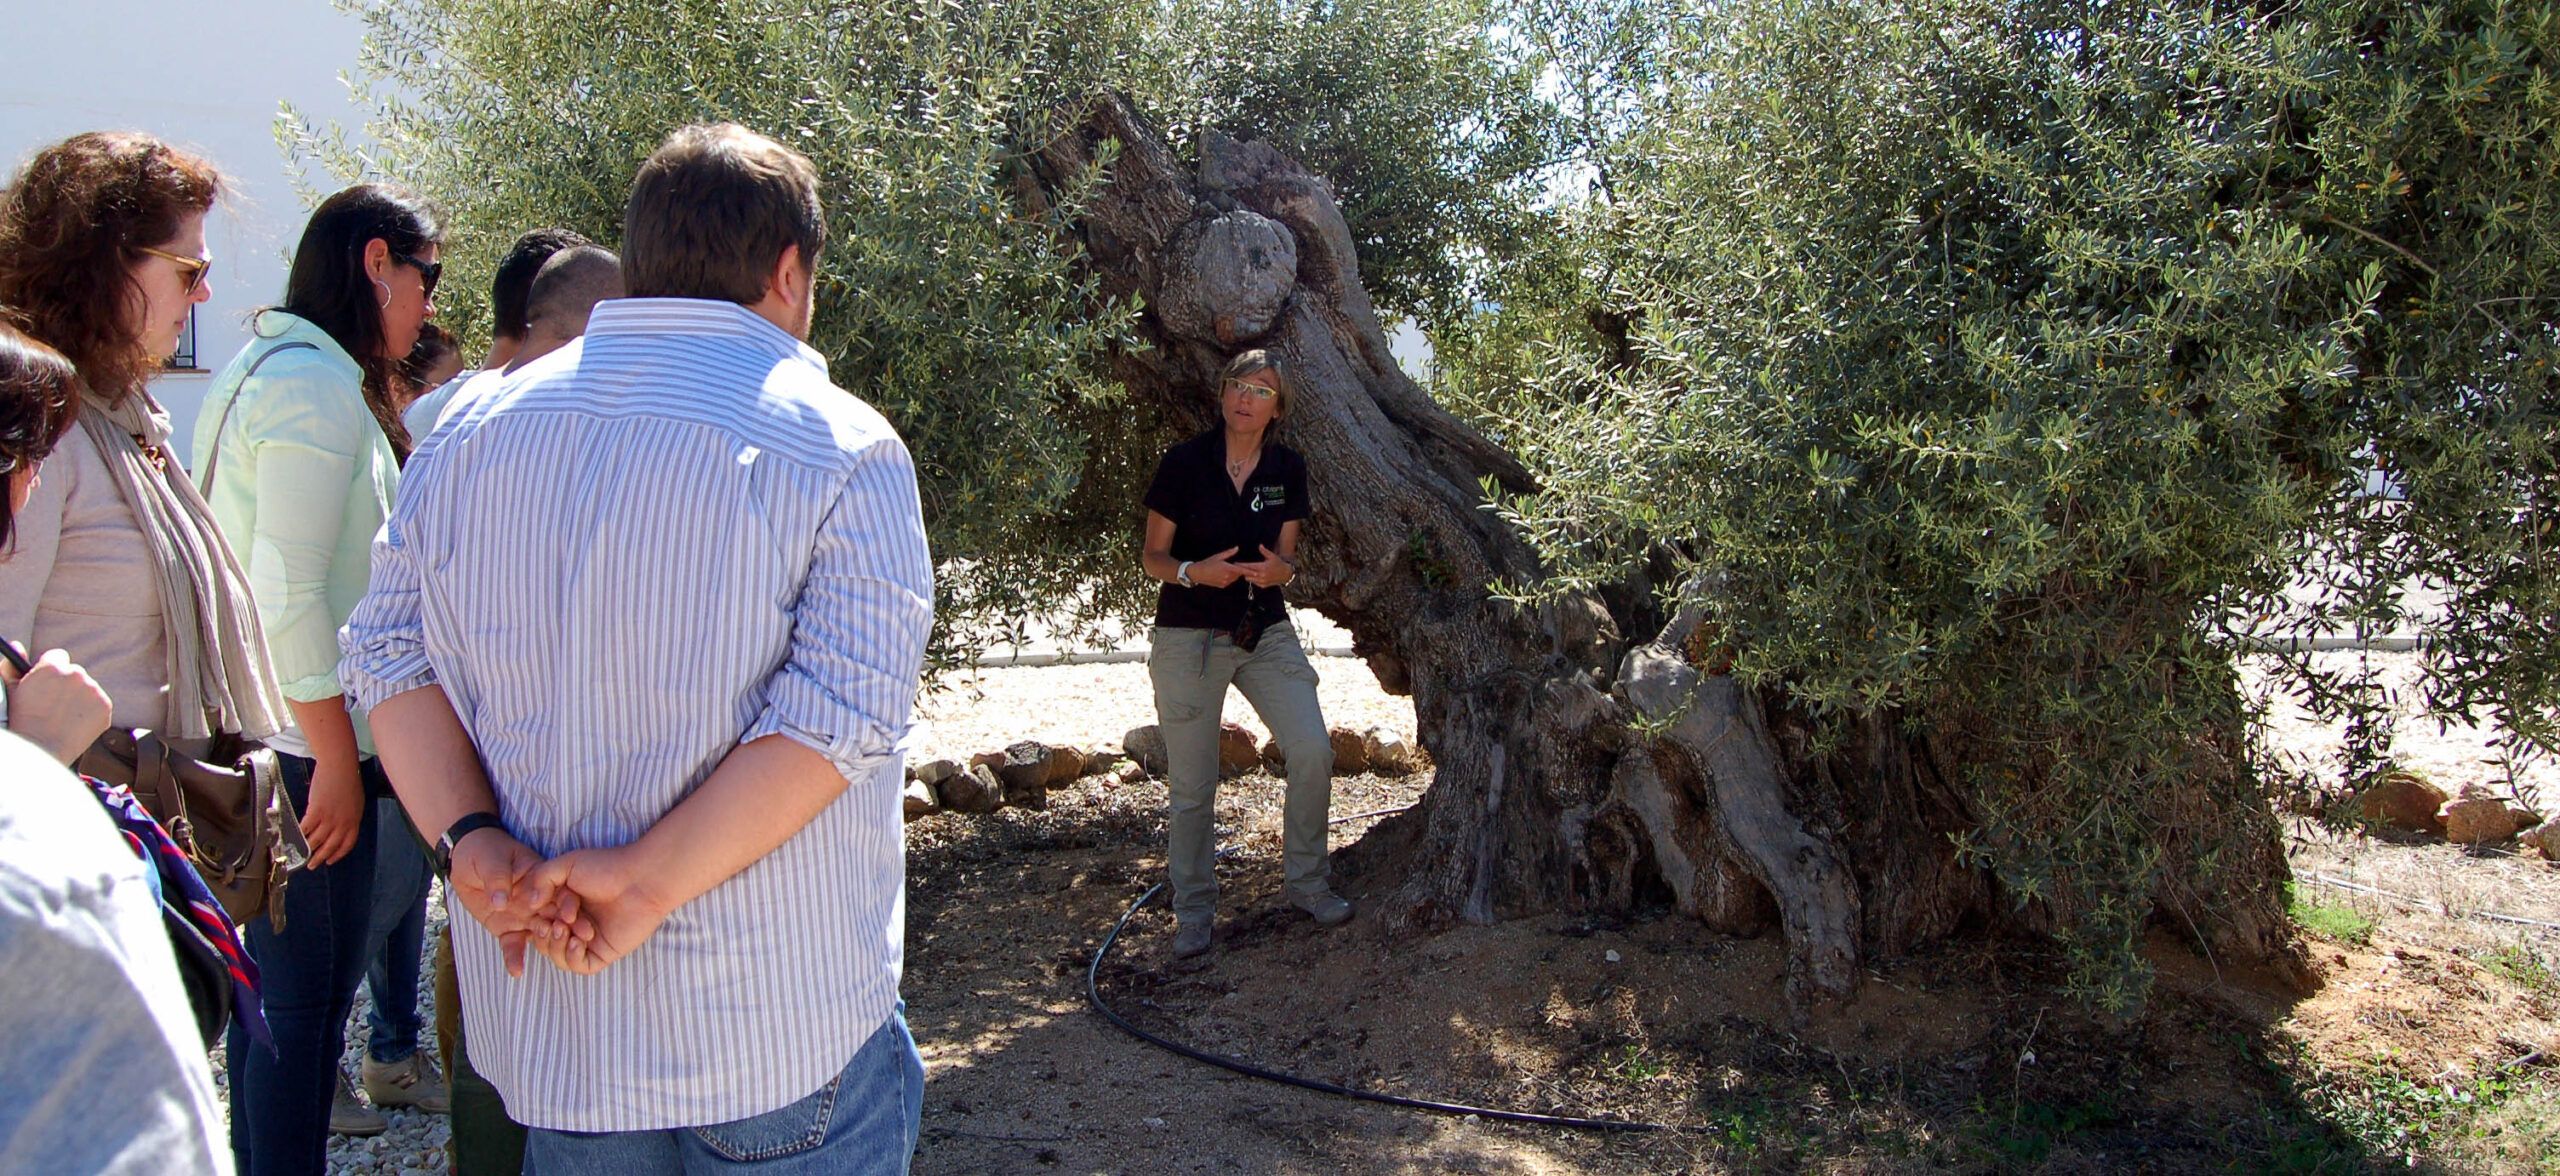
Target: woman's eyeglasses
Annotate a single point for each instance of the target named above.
(1249, 388)
(428, 271)
(194, 267)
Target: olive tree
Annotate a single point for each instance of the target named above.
(1993, 375)
(1859, 501)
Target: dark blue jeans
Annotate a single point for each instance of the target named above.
(398, 924)
(308, 975)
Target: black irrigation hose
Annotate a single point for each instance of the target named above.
(1093, 992)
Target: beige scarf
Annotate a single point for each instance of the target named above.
(219, 677)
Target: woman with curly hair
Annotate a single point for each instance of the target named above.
(117, 557)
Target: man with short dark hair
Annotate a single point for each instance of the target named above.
(564, 295)
(510, 291)
(642, 640)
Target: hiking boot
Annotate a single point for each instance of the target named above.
(1327, 910)
(409, 1082)
(1191, 939)
(347, 1116)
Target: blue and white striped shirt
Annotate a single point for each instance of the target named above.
(670, 538)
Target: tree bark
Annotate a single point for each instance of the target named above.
(1578, 766)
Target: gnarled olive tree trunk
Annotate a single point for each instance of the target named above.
(1579, 764)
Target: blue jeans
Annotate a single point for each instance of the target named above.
(863, 1120)
(398, 936)
(308, 976)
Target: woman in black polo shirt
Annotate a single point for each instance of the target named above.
(1223, 518)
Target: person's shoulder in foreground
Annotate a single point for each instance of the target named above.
(100, 1066)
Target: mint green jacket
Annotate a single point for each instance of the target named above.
(301, 478)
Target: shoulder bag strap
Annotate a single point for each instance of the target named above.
(204, 481)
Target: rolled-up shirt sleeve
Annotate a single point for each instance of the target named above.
(847, 689)
(384, 640)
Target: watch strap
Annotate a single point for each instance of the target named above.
(469, 824)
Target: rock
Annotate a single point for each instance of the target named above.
(2404, 800)
(974, 790)
(1350, 752)
(1100, 760)
(934, 771)
(1237, 754)
(1272, 759)
(1146, 747)
(987, 759)
(1132, 773)
(2545, 838)
(920, 800)
(2524, 818)
(2478, 820)
(1065, 764)
(1025, 773)
(1388, 754)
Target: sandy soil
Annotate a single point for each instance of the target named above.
(1645, 1019)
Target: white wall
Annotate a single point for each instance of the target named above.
(208, 77)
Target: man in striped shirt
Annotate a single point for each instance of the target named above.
(643, 633)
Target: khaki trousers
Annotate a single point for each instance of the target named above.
(1192, 669)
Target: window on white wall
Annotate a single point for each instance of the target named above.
(184, 358)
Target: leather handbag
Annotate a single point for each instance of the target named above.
(222, 800)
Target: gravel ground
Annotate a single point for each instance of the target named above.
(415, 1143)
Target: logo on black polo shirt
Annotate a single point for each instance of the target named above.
(1268, 498)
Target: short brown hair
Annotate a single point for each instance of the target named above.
(1255, 362)
(39, 398)
(711, 212)
(72, 225)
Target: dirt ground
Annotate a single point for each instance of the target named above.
(1959, 1059)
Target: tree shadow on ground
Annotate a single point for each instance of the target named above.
(1962, 1058)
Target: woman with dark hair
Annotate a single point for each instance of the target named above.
(298, 443)
(53, 704)
(39, 399)
(1223, 517)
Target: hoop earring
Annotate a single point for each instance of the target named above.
(385, 287)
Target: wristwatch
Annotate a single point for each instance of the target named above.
(1182, 575)
(470, 823)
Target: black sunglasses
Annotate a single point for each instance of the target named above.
(428, 271)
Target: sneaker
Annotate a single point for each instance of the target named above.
(1327, 910)
(347, 1116)
(409, 1082)
(1191, 939)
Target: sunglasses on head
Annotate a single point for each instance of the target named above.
(428, 271)
(194, 267)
